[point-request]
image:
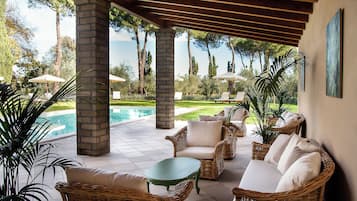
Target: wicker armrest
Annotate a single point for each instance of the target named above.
(232, 128)
(218, 149)
(89, 192)
(182, 191)
(248, 195)
(259, 150)
(178, 140)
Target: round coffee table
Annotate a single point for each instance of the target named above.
(172, 171)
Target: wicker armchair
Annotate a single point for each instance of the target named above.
(312, 191)
(80, 192)
(210, 168)
(289, 123)
(238, 120)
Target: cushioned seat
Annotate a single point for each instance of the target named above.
(197, 152)
(260, 176)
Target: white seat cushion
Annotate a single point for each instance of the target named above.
(284, 161)
(260, 176)
(204, 133)
(197, 152)
(107, 178)
(277, 149)
(300, 172)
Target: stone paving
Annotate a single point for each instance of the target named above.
(138, 145)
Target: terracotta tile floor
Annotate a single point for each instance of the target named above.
(138, 145)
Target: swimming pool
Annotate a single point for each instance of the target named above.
(64, 122)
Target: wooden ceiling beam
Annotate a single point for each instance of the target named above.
(232, 9)
(224, 16)
(277, 5)
(230, 22)
(218, 27)
(237, 34)
(130, 7)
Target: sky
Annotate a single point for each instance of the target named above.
(122, 48)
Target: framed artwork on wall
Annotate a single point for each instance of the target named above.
(334, 55)
(302, 73)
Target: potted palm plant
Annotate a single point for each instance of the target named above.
(266, 86)
(24, 159)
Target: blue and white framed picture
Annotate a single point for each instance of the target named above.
(334, 55)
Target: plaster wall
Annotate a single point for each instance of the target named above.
(332, 121)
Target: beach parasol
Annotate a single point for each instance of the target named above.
(46, 78)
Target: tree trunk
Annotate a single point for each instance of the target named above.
(190, 64)
(139, 57)
(233, 56)
(142, 65)
(260, 61)
(251, 60)
(209, 53)
(57, 66)
(241, 58)
(266, 58)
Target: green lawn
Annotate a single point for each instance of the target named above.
(205, 107)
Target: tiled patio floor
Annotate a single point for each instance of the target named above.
(138, 145)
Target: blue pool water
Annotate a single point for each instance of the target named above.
(65, 123)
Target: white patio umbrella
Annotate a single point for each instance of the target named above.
(114, 78)
(230, 77)
(46, 78)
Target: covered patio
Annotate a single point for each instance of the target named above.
(279, 21)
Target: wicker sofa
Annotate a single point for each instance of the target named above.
(312, 190)
(211, 156)
(86, 184)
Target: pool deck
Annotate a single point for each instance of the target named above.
(138, 145)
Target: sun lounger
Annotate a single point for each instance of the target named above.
(224, 97)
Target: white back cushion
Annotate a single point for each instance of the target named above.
(212, 118)
(277, 149)
(107, 178)
(204, 133)
(283, 163)
(301, 171)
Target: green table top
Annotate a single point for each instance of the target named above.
(173, 169)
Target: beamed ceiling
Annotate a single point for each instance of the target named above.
(278, 21)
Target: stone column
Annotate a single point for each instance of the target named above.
(93, 81)
(165, 78)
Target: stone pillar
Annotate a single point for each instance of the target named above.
(93, 81)
(165, 78)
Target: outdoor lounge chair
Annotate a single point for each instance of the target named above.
(224, 97)
(239, 97)
(98, 185)
(202, 140)
(116, 95)
(178, 95)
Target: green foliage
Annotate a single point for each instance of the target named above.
(7, 46)
(125, 72)
(194, 66)
(64, 7)
(188, 85)
(208, 87)
(68, 62)
(212, 68)
(24, 160)
(206, 40)
(268, 85)
(281, 98)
